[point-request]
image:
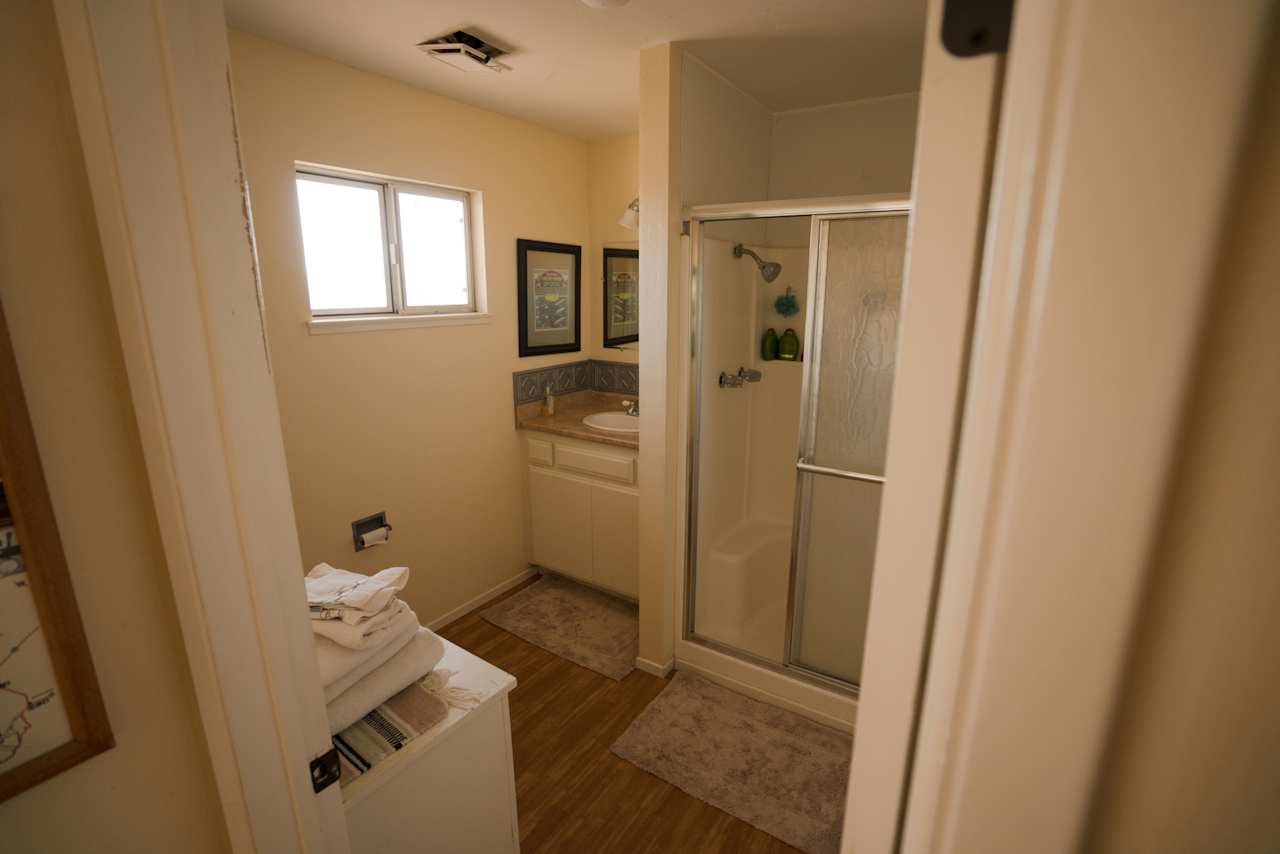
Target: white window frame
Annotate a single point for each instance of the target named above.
(399, 312)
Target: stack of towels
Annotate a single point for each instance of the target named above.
(369, 646)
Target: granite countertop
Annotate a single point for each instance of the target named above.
(570, 410)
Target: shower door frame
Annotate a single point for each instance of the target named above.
(816, 695)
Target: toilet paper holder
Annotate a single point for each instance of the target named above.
(367, 525)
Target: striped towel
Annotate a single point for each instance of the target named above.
(413, 712)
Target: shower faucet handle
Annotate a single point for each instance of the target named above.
(744, 375)
(728, 380)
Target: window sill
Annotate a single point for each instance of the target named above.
(374, 322)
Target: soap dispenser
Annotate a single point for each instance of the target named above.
(549, 403)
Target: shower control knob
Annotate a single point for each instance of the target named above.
(744, 375)
(728, 380)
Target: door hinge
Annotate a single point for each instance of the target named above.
(684, 227)
(975, 27)
(325, 770)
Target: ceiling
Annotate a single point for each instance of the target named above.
(576, 69)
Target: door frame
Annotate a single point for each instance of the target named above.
(151, 87)
(1070, 418)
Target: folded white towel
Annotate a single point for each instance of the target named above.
(415, 660)
(363, 635)
(340, 667)
(334, 593)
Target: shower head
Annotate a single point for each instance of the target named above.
(769, 270)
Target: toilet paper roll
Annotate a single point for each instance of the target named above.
(375, 537)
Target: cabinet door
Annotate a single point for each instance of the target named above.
(560, 512)
(615, 550)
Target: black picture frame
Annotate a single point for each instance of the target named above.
(606, 300)
(529, 344)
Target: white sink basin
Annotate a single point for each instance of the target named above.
(613, 422)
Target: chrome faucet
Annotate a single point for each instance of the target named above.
(631, 407)
(744, 375)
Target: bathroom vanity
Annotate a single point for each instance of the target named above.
(583, 500)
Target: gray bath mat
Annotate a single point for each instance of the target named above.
(771, 768)
(598, 631)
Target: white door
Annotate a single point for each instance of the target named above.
(152, 95)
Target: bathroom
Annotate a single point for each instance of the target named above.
(467, 430)
(570, 456)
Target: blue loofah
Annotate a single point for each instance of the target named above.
(787, 304)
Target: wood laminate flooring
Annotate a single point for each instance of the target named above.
(573, 795)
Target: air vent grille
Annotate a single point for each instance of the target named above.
(465, 51)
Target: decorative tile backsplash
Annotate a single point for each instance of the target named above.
(617, 377)
(591, 374)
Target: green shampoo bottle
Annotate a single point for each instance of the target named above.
(769, 345)
(789, 346)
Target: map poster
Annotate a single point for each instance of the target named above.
(551, 295)
(33, 720)
(52, 715)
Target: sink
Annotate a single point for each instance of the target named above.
(613, 422)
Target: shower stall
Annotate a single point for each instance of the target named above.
(786, 456)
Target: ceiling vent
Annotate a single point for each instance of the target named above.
(464, 51)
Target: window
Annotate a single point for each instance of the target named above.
(378, 247)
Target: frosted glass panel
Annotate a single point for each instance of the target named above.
(834, 584)
(859, 343)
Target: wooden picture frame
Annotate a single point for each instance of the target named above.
(620, 300)
(41, 570)
(549, 297)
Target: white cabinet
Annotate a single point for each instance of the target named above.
(558, 508)
(615, 548)
(584, 511)
(451, 788)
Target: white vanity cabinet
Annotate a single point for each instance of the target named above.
(584, 510)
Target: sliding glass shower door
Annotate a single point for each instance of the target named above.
(844, 429)
(787, 451)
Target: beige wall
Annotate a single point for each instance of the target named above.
(614, 180)
(662, 313)
(154, 791)
(1195, 761)
(856, 148)
(851, 149)
(416, 422)
(724, 142)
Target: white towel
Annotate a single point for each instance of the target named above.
(340, 667)
(414, 661)
(363, 635)
(334, 593)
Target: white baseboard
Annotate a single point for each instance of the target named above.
(652, 667)
(492, 593)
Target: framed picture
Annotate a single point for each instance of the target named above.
(550, 286)
(51, 711)
(621, 296)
